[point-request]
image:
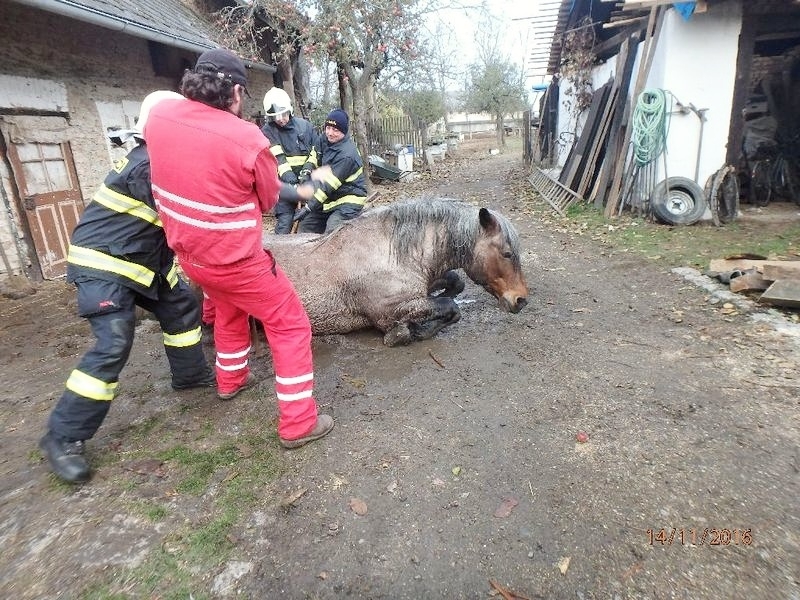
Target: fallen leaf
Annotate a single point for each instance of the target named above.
(290, 500)
(358, 506)
(456, 471)
(148, 466)
(505, 508)
(323, 575)
(563, 564)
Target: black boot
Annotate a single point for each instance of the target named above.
(66, 458)
(207, 379)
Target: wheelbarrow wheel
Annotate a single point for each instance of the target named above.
(678, 201)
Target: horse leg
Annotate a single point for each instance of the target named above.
(422, 319)
(450, 283)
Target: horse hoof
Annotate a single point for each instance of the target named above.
(397, 336)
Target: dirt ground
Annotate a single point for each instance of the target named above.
(454, 470)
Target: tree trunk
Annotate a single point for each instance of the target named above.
(501, 132)
(355, 89)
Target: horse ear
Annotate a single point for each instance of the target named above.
(487, 221)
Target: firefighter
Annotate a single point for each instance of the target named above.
(118, 259)
(214, 177)
(291, 139)
(340, 196)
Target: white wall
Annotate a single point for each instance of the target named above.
(695, 60)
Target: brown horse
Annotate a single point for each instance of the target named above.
(393, 267)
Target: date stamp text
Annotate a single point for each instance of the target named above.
(696, 536)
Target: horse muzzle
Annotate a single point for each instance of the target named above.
(512, 303)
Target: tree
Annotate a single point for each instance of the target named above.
(497, 87)
(360, 38)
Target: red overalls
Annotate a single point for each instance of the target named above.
(213, 177)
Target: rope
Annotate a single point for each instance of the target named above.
(650, 125)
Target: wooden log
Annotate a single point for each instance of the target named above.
(787, 270)
(749, 282)
(725, 265)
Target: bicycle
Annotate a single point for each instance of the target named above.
(774, 176)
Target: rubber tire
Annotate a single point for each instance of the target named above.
(684, 205)
(722, 195)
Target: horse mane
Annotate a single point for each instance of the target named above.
(454, 225)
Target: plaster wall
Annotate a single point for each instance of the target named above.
(695, 62)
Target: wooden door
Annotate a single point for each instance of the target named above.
(48, 183)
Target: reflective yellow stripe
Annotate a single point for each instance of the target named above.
(296, 161)
(276, 149)
(349, 199)
(86, 257)
(126, 205)
(320, 195)
(91, 387)
(333, 181)
(312, 157)
(172, 276)
(183, 340)
(283, 169)
(355, 175)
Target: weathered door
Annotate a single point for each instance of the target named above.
(51, 199)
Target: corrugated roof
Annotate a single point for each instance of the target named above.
(169, 22)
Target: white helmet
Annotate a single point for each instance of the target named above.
(149, 102)
(277, 102)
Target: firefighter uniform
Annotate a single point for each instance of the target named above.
(290, 144)
(340, 196)
(118, 259)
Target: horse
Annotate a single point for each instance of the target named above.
(393, 267)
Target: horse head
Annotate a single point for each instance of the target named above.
(496, 263)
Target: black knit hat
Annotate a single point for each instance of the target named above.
(338, 118)
(223, 64)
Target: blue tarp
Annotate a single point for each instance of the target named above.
(685, 9)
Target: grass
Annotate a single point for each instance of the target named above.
(694, 245)
(229, 481)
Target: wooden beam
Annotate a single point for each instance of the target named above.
(784, 292)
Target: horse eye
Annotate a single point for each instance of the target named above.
(507, 255)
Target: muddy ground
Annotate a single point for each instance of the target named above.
(454, 469)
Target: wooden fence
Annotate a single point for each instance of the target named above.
(387, 133)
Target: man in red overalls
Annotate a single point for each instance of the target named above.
(213, 177)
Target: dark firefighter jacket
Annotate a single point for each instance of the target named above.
(290, 146)
(119, 236)
(346, 184)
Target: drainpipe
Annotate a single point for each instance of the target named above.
(80, 12)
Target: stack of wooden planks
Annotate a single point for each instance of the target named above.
(778, 279)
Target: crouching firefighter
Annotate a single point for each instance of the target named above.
(118, 259)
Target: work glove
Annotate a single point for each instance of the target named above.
(304, 176)
(301, 213)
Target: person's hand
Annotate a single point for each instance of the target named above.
(321, 173)
(305, 191)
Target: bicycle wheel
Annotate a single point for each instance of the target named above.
(761, 183)
(791, 184)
